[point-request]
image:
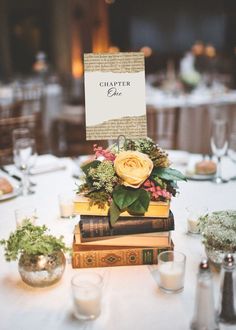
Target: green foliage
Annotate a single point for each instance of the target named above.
(124, 196)
(85, 168)
(103, 176)
(219, 230)
(168, 174)
(158, 156)
(140, 206)
(144, 145)
(99, 198)
(114, 213)
(135, 201)
(32, 240)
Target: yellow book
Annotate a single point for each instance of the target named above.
(156, 209)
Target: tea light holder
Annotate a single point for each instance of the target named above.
(171, 271)
(87, 295)
(26, 213)
(193, 219)
(66, 206)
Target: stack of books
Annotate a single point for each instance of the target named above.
(133, 240)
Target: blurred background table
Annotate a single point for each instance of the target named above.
(183, 120)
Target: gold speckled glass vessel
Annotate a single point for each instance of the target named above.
(42, 270)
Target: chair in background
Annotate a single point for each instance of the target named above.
(16, 115)
(69, 133)
(163, 125)
(195, 125)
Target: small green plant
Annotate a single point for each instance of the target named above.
(31, 240)
(219, 230)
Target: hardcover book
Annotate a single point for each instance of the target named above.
(159, 239)
(104, 256)
(99, 226)
(82, 206)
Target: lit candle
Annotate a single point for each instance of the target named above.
(27, 213)
(192, 223)
(171, 276)
(66, 209)
(88, 303)
(194, 213)
(66, 206)
(22, 221)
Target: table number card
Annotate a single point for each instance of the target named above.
(115, 96)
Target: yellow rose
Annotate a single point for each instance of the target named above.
(133, 167)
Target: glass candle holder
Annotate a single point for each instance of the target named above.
(66, 205)
(25, 213)
(87, 295)
(171, 271)
(194, 213)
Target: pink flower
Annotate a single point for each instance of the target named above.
(156, 191)
(100, 152)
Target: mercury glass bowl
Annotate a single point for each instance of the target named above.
(216, 256)
(42, 270)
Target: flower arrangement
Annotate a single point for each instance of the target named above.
(219, 231)
(128, 177)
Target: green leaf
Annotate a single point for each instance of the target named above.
(173, 184)
(140, 206)
(85, 168)
(168, 174)
(124, 196)
(114, 213)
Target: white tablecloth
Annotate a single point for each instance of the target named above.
(132, 299)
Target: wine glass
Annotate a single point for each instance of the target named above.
(232, 147)
(20, 133)
(24, 152)
(219, 145)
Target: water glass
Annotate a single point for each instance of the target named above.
(219, 144)
(87, 295)
(171, 271)
(232, 147)
(24, 152)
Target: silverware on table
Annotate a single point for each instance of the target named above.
(14, 176)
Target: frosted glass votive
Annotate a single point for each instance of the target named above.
(66, 205)
(194, 213)
(171, 271)
(87, 295)
(26, 213)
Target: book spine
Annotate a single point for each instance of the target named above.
(98, 226)
(117, 257)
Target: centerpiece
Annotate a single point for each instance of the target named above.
(41, 258)
(218, 230)
(128, 179)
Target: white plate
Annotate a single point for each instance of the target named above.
(199, 177)
(16, 192)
